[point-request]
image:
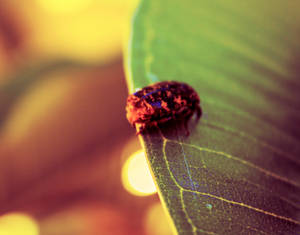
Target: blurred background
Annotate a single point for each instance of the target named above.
(70, 164)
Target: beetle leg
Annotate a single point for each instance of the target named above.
(155, 124)
(139, 128)
(187, 132)
(199, 112)
(186, 120)
(165, 120)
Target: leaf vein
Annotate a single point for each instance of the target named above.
(229, 156)
(252, 138)
(217, 197)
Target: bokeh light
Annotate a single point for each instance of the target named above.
(156, 221)
(59, 6)
(18, 224)
(136, 176)
(88, 31)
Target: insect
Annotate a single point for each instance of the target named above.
(160, 103)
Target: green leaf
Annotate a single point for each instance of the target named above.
(238, 172)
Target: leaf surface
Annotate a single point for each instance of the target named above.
(238, 172)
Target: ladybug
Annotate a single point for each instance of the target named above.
(160, 103)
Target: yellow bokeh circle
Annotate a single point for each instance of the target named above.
(136, 176)
(18, 224)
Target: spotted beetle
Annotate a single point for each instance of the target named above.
(160, 103)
